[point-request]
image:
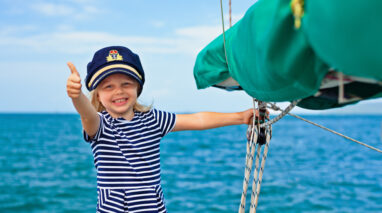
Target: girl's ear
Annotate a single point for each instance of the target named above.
(139, 90)
(98, 99)
(99, 103)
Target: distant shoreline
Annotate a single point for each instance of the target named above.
(319, 113)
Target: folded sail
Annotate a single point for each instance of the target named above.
(273, 61)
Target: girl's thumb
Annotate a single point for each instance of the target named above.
(72, 68)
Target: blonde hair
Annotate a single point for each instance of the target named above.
(99, 107)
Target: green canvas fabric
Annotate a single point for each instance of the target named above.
(347, 34)
(272, 61)
(269, 58)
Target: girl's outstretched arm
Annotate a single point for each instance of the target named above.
(89, 117)
(209, 120)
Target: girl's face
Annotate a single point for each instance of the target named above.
(118, 94)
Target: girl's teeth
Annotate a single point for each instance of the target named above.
(120, 100)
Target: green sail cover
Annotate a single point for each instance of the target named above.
(347, 34)
(272, 61)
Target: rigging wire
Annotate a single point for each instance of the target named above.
(274, 107)
(225, 49)
(230, 14)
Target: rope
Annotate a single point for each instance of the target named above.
(248, 161)
(256, 192)
(341, 89)
(258, 172)
(282, 114)
(274, 107)
(222, 15)
(337, 133)
(230, 14)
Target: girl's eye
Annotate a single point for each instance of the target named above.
(126, 84)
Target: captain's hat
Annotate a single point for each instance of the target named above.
(114, 59)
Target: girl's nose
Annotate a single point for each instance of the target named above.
(118, 90)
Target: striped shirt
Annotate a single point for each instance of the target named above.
(126, 153)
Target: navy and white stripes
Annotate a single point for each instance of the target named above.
(148, 199)
(126, 155)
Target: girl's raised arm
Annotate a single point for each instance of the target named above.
(210, 120)
(89, 117)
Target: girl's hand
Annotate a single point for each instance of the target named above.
(248, 116)
(89, 117)
(73, 85)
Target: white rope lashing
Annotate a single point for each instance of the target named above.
(248, 166)
(258, 173)
(257, 181)
(282, 114)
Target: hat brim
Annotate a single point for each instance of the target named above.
(103, 73)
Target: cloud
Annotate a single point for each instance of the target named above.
(51, 9)
(237, 17)
(159, 93)
(17, 30)
(199, 32)
(65, 39)
(157, 24)
(188, 41)
(78, 10)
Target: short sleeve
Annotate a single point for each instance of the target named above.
(166, 121)
(99, 131)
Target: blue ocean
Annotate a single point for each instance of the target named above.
(45, 166)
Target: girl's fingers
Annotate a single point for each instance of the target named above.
(74, 78)
(74, 86)
(73, 89)
(73, 95)
(73, 92)
(250, 120)
(248, 116)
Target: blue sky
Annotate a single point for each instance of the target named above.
(37, 38)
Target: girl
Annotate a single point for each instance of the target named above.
(124, 135)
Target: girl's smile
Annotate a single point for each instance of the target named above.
(118, 94)
(120, 101)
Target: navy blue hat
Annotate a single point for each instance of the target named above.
(114, 59)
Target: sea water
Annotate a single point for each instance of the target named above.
(45, 166)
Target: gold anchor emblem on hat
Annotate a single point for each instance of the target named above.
(114, 56)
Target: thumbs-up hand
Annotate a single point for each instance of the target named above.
(73, 85)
